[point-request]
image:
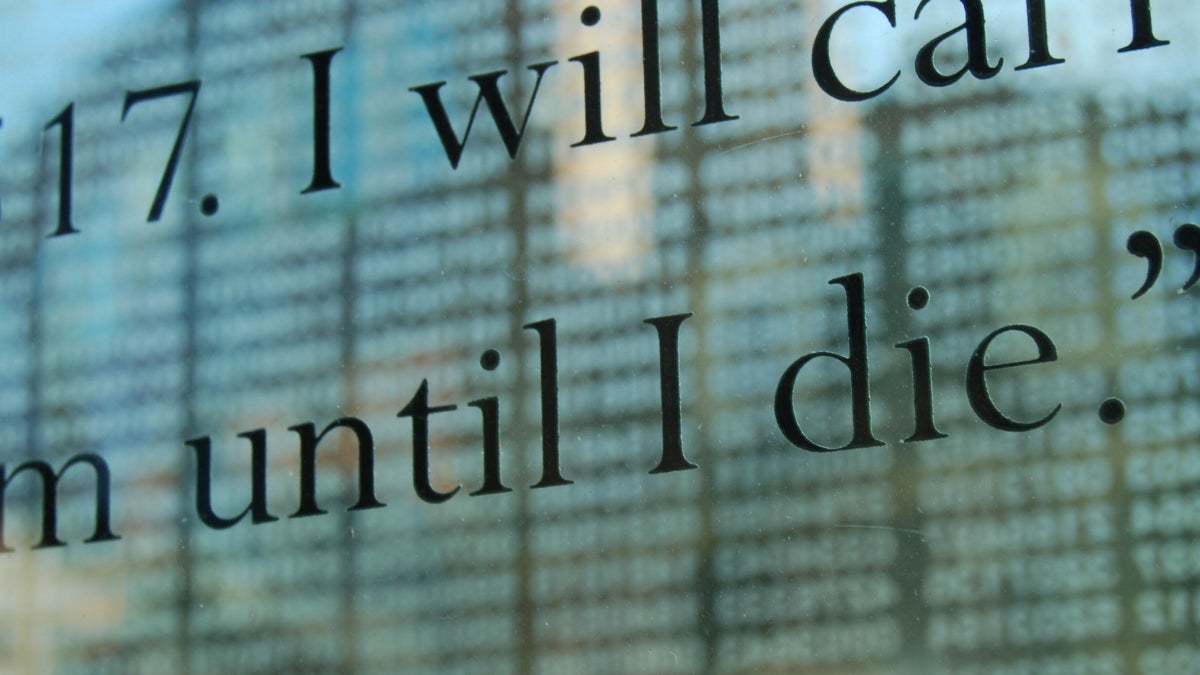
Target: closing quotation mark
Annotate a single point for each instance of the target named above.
(1145, 245)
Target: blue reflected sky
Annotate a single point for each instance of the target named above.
(45, 44)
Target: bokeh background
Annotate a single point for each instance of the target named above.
(1071, 549)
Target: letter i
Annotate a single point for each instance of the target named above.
(922, 380)
(594, 130)
(490, 407)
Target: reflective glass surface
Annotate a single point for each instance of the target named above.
(515, 336)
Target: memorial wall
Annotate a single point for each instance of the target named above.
(624, 336)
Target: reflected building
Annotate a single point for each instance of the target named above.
(1065, 549)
